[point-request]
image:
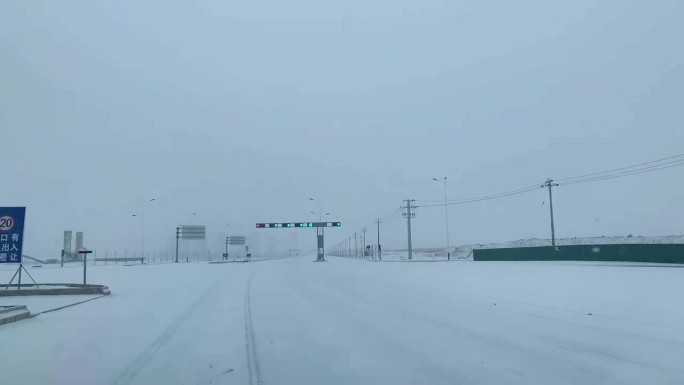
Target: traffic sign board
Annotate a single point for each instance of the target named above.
(236, 240)
(11, 234)
(287, 225)
(192, 232)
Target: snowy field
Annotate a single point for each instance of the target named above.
(466, 251)
(292, 321)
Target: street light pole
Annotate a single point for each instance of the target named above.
(142, 228)
(446, 214)
(446, 211)
(318, 231)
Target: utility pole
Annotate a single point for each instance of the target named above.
(378, 222)
(356, 248)
(549, 183)
(408, 215)
(363, 250)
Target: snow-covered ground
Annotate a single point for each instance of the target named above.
(292, 321)
(466, 251)
(40, 303)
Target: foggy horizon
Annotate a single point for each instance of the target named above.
(241, 112)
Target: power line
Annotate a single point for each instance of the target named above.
(627, 173)
(505, 193)
(391, 213)
(389, 216)
(634, 169)
(485, 198)
(482, 197)
(623, 168)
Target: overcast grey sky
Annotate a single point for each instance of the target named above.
(240, 111)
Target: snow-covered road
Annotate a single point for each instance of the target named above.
(292, 321)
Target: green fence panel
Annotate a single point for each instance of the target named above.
(655, 253)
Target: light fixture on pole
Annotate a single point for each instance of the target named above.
(142, 227)
(190, 217)
(320, 209)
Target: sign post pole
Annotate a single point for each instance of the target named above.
(225, 256)
(85, 255)
(237, 240)
(189, 232)
(321, 248)
(320, 242)
(177, 238)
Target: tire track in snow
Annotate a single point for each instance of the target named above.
(132, 370)
(250, 341)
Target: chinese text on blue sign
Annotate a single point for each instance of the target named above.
(11, 233)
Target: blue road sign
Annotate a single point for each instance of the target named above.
(11, 233)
